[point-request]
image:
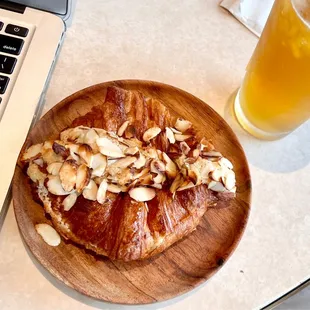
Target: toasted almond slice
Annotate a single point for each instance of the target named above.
(90, 191)
(233, 190)
(157, 166)
(181, 137)
(170, 135)
(113, 188)
(75, 134)
(54, 168)
(131, 150)
(177, 182)
(123, 162)
(157, 185)
(48, 234)
(182, 124)
(194, 175)
(193, 155)
(108, 148)
(171, 168)
(60, 149)
(229, 180)
(54, 186)
(140, 162)
(217, 174)
(67, 175)
(49, 156)
(185, 186)
(184, 148)
(175, 131)
(151, 133)
(102, 192)
(82, 177)
(32, 152)
(99, 165)
(151, 152)
(122, 129)
(74, 148)
(39, 162)
(86, 154)
(142, 193)
(139, 174)
(160, 178)
(133, 142)
(206, 145)
(213, 154)
(35, 173)
(146, 179)
(217, 186)
(69, 201)
(90, 138)
(226, 163)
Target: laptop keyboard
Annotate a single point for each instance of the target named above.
(14, 40)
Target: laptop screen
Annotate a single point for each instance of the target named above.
(54, 6)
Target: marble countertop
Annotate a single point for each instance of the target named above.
(199, 47)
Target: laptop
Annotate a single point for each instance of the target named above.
(31, 34)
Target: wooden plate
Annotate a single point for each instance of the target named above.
(180, 268)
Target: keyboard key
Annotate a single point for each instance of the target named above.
(10, 45)
(1, 25)
(4, 81)
(16, 30)
(7, 64)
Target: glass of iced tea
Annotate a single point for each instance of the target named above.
(274, 98)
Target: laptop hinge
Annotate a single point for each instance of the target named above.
(14, 7)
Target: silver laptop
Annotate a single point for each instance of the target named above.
(31, 33)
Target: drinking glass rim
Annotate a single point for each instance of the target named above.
(305, 21)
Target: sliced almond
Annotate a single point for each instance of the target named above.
(157, 185)
(122, 129)
(217, 186)
(206, 145)
(32, 152)
(226, 163)
(146, 179)
(123, 162)
(217, 174)
(170, 135)
(74, 148)
(182, 124)
(177, 182)
(131, 150)
(184, 148)
(133, 142)
(171, 168)
(151, 152)
(86, 154)
(175, 131)
(76, 134)
(229, 180)
(48, 234)
(90, 138)
(54, 186)
(181, 138)
(54, 168)
(113, 188)
(60, 149)
(99, 165)
(49, 156)
(102, 192)
(185, 186)
(108, 148)
(69, 201)
(192, 156)
(142, 193)
(160, 178)
(151, 133)
(211, 154)
(67, 175)
(35, 174)
(82, 177)
(139, 174)
(90, 191)
(39, 162)
(140, 162)
(194, 175)
(157, 166)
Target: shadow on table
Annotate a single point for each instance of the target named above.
(97, 303)
(288, 154)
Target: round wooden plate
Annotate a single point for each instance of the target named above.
(185, 264)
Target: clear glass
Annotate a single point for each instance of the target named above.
(274, 98)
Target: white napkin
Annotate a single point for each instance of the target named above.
(251, 13)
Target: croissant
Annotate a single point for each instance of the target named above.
(127, 180)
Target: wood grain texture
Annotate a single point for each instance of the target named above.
(183, 266)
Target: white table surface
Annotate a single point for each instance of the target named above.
(199, 47)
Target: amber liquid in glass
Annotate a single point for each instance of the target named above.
(274, 98)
